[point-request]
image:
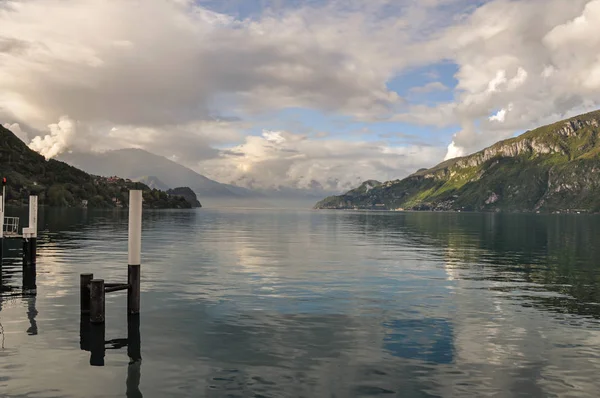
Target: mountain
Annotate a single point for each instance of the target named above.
(152, 182)
(160, 172)
(58, 184)
(136, 163)
(551, 168)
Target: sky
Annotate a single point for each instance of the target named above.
(315, 94)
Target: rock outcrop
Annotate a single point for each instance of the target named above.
(187, 194)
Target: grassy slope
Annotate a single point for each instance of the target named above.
(550, 168)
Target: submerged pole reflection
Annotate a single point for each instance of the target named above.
(97, 344)
(31, 314)
(92, 338)
(135, 357)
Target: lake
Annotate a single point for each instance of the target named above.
(300, 303)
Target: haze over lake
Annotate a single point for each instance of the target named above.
(314, 303)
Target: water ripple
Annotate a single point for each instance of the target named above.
(301, 303)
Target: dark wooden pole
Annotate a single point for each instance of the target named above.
(84, 292)
(97, 301)
(133, 293)
(26, 255)
(32, 251)
(29, 251)
(97, 344)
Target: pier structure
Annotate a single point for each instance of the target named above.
(93, 290)
(10, 229)
(93, 310)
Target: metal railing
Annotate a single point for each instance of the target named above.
(11, 225)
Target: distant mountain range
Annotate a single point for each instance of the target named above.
(552, 168)
(153, 182)
(138, 164)
(161, 173)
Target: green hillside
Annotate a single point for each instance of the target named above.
(58, 184)
(552, 168)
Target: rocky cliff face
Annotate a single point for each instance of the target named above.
(554, 167)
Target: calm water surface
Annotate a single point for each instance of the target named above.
(259, 303)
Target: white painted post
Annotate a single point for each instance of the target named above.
(30, 233)
(135, 227)
(33, 215)
(135, 250)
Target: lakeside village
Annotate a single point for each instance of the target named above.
(117, 183)
(113, 180)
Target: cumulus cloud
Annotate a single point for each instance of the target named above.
(57, 141)
(184, 143)
(295, 160)
(500, 116)
(533, 72)
(454, 151)
(95, 61)
(188, 86)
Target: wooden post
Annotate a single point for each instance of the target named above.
(135, 248)
(26, 253)
(84, 292)
(97, 301)
(97, 344)
(33, 251)
(133, 293)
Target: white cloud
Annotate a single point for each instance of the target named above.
(58, 140)
(454, 151)
(110, 67)
(518, 80)
(500, 116)
(546, 70)
(534, 73)
(171, 88)
(283, 158)
(497, 81)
